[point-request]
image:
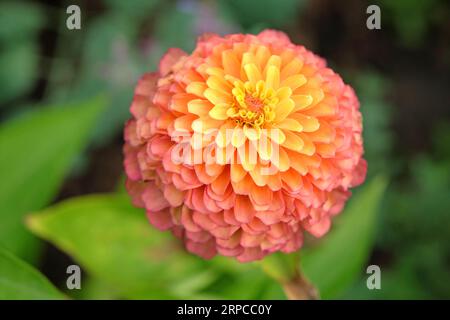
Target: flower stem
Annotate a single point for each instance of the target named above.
(299, 288)
(285, 268)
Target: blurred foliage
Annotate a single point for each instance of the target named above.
(41, 61)
(372, 89)
(253, 15)
(412, 18)
(37, 151)
(339, 259)
(118, 246)
(18, 280)
(123, 252)
(19, 57)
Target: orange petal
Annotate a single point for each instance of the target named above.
(291, 68)
(237, 173)
(293, 141)
(324, 134)
(308, 147)
(243, 210)
(199, 107)
(231, 63)
(308, 123)
(292, 179)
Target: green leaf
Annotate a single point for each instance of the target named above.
(37, 150)
(337, 261)
(18, 280)
(116, 244)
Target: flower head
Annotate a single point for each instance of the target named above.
(243, 145)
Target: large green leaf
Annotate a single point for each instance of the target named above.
(18, 280)
(337, 261)
(116, 244)
(36, 152)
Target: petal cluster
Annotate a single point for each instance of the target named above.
(243, 145)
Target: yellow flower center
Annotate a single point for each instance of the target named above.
(253, 105)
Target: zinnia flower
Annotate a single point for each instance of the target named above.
(241, 146)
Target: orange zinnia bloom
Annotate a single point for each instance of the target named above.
(243, 145)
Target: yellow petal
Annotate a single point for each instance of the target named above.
(276, 135)
(283, 109)
(294, 81)
(253, 73)
(265, 147)
(252, 133)
(282, 163)
(217, 97)
(301, 101)
(205, 124)
(316, 94)
(238, 137)
(321, 110)
(219, 111)
(224, 156)
(272, 77)
(215, 71)
(284, 93)
(247, 156)
(309, 124)
(196, 88)
(290, 124)
(218, 84)
(292, 68)
(262, 55)
(274, 61)
(247, 58)
(293, 141)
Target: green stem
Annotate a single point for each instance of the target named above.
(285, 268)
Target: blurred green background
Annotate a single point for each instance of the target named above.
(64, 98)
